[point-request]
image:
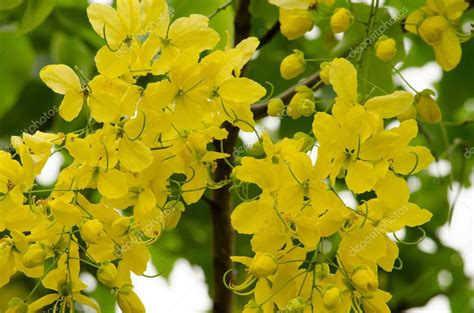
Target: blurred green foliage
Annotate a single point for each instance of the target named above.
(34, 33)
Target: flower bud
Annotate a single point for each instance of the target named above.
(431, 29)
(322, 270)
(295, 22)
(427, 107)
(302, 93)
(107, 274)
(331, 297)
(307, 107)
(385, 48)
(341, 20)
(16, 305)
(324, 72)
(128, 301)
(34, 256)
(276, 107)
(365, 279)
(293, 65)
(172, 212)
(92, 231)
(295, 305)
(410, 114)
(263, 265)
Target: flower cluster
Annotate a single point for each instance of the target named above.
(144, 152)
(298, 206)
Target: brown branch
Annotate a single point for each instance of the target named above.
(260, 110)
(221, 205)
(269, 34)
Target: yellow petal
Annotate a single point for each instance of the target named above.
(71, 105)
(258, 210)
(361, 176)
(390, 105)
(112, 184)
(66, 213)
(393, 191)
(113, 64)
(42, 302)
(414, 20)
(101, 16)
(60, 78)
(134, 155)
(232, 90)
(388, 260)
(136, 258)
(343, 78)
(411, 160)
(448, 52)
(378, 147)
(104, 107)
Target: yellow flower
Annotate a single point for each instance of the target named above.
(293, 65)
(436, 23)
(385, 48)
(62, 79)
(341, 20)
(295, 22)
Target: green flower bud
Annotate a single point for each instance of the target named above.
(307, 107)
(276, 107)
(295, 305)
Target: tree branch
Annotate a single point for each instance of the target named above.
(270, 34)
(260, 110)
(221, 205)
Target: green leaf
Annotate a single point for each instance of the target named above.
(9, 4)
(72, 51)
(35, 14)
(16, 62)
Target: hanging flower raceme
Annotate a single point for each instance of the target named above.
(437, 24)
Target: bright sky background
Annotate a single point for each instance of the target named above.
(186, 290)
